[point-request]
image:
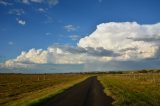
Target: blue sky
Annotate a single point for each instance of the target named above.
(39, 24)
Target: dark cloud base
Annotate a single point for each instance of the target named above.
(88, 67)
(46, 68)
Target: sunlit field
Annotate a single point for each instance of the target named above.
(134, 89)
(23, 89)
(127, 88)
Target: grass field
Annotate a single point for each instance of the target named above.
(23, 89)
(142, 89)
(127, 89)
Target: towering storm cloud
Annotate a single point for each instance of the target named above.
(113, 41)
(130, 39)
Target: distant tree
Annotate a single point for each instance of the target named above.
(142, 71)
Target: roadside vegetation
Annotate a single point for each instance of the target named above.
(140, 88)
(27, 89)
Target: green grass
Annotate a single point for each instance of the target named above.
(22, 90)
(132, 89)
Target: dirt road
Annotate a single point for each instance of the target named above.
(87, 93)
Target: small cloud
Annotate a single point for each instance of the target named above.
(70, 28)
(16, 12)
(29, 1)
(2, 2)
(53, 2)
(10, 43)
(25, 1)
(50, 2)
(42, 10)
(22, 22)
(48, 33)
(74, 37)
(37, 1)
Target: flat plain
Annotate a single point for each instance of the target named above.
(28, 89)
(118, 89)
(141, 89)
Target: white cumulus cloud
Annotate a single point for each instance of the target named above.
(21, 22)
(120, 38)
(113, 41)
(42, 10)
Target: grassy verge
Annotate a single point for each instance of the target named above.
(132, 91)
(31, 93)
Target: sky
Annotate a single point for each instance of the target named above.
(79, 35)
